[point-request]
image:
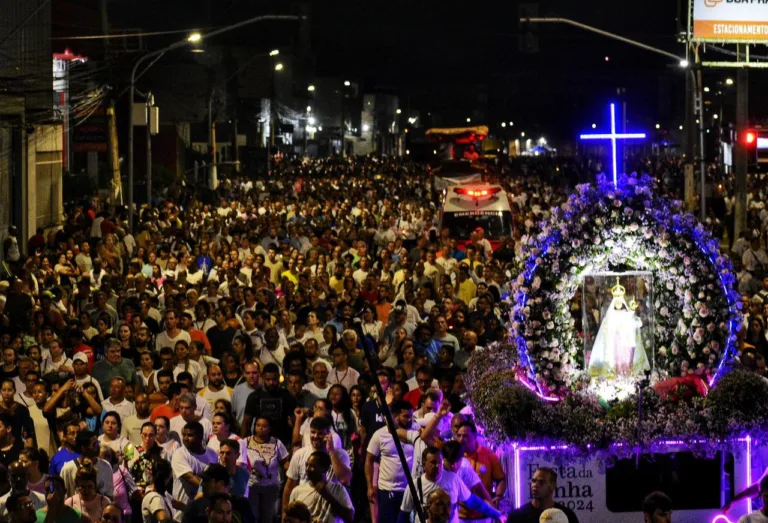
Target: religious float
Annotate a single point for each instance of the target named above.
(623, 368)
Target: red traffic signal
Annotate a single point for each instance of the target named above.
(750, 138)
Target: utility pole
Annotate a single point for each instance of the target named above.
(116, 192)
(740, 150)
(150, 103)
(213, 177)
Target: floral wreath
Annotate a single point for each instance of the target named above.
(603, 226)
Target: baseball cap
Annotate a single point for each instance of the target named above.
(553, 515)
(80, 356)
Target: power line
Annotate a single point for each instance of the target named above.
(130, 35)
(27, 19)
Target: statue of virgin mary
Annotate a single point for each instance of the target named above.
(618, 349)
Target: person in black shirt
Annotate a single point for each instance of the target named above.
(371, 414)
(214, 481)
(543, 486)
(273, 403)
(10, 446)
(220, 335)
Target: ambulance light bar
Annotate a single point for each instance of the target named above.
(476, 193)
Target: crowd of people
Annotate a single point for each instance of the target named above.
(238, 354)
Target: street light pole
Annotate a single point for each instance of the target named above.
(158, 53)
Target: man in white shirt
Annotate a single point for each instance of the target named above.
(319, 386)
(216, 389)
(327, 501)
(187, 406)
(117, 401)
(755, 259)
(172, 332)
(320, 440)
(189, 461)
(435, 478)
(87, 444)
(388, 492)
(132, 424)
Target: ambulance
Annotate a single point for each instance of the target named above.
(469, 206)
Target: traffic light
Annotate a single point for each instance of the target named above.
(750, 142)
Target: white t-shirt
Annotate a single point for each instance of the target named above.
(37, 499)
(297, 470)
(755, 517)
(264, 459)
(317, 391)
(182, 462)
(104, 482)
(50, 366)
(305, 439)
(214, 444)
(212, 397)
(382, 446)
(125, 408)
(163, 340)
(177, 424)
(194, 369)
(317, 505)
(88, 379)
(449, 482)
(348, 378)
(153, 502)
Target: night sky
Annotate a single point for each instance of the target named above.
(453, 58)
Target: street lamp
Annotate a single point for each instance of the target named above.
(347, 83)
(366, 127)
(310, 88)
(522, 134)
(594, 126)
(311, 120)
(729, 81)
(511, 124)
(309, 109)
(191, 39)
(684, 63)
(503, 124)
(658, 126)
(469, 120)
(278, 67)
(706, 89)
(274, 52)
(398, 111)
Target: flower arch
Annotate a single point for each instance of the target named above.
(601, 227)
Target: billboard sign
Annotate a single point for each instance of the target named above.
(730, 20)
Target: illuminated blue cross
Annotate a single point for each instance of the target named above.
(613, 137)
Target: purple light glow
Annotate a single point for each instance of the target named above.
(533, 389)
(613, 136)
(720, 518)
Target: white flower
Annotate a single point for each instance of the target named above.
(664, 311)
(550, 325)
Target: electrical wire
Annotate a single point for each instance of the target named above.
(132, 35)
(27, 19)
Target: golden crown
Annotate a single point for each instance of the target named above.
(618, 290)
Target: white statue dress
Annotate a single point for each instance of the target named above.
(618, 349)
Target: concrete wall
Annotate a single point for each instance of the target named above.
(44, 202)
